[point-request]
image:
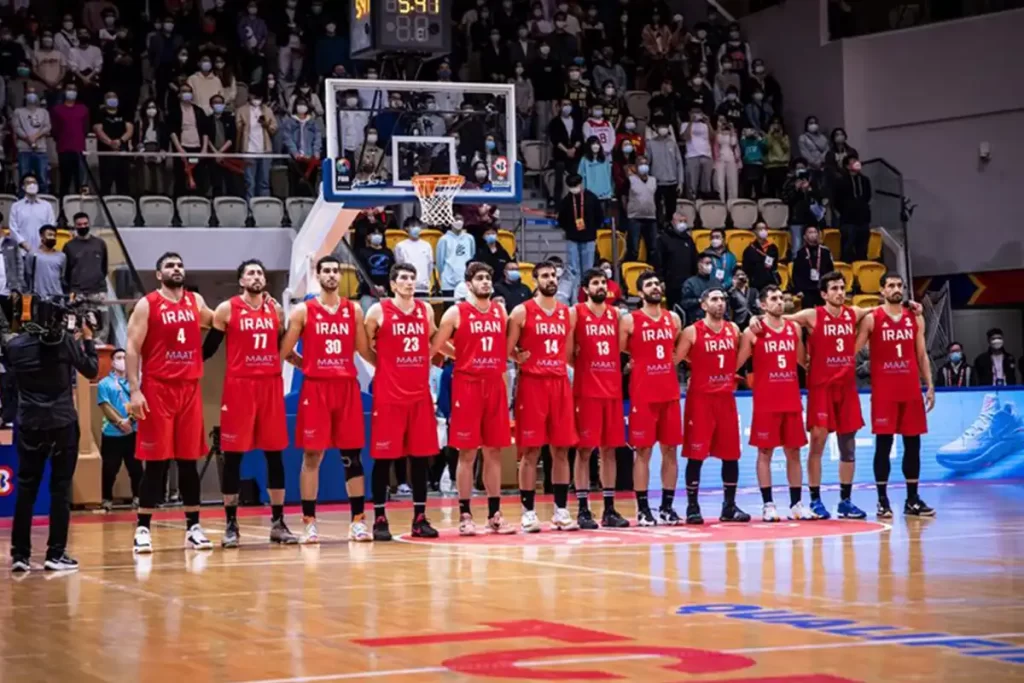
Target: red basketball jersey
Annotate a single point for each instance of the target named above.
(480, 341)
(403, 353)
(544, 335)
(329, 341)
(895, 374)
(713, 359)
(832, 347)
(776, 385)
(653, 378)
(597, 372)
(174, 343)
(251, 337)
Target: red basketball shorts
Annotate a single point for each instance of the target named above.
(401, 429)
(712, 427)
(252, 414)
(906, 418)
(777, 430)
(836, 407)
(479, 413)
(651, 423)
(173, 429)
(544, 412)
(600, 422)
(330, 415)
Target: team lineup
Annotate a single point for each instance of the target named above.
(592, 342)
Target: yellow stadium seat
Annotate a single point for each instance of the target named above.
(507, 239)
(641, 252)
(431, 237)
(785, 275)
(869, 276)
(875, 244)
(780, 238)
(830, 238)
(847, 270)
(630, 271)
(63, 237)
(392, 237)
(348, 287)
(604, 244)
(701, 238)
(526, 275)
(867, 300)
(738, 240)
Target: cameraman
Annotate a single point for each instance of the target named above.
(806, 207)
(43, 361)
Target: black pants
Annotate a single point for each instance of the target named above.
(855, 238)
(114, 172)
(775, 178)
(72, 173)
(35, 446)
(752, 181)
(665, 201)
(114, 450)
(224, 183)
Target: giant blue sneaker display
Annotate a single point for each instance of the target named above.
(997, 432)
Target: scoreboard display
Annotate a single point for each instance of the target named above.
(420, 26)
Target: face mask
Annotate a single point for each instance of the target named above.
(698, 82)
(82, 232)
(681, 226)
(512, 276)
(762, 234)
(71, 95)
(271, 82)
(31, 188)
(351, 101)
(117, 364)
(627, 149)
(218, 107)
(317, 9)
(576, 190)
(759, 70)
(607, 273)
(559, 24)
(538, 13)
(544, 50)
(558, 272)
(376, 239)
(186, 97)
(705, 269)
(372, 139)
(112, 103)
(205, 66)
(24, 71)
(735, 35)
(702, 34)
(168, 27)
(301, 109)
(812, 128)
(519, 71)
(624, 18)
(50, 243)
(151, 112)
(726, 68)
(371, 76)
(996, 343)
(643, 169)
(31, 98)
(574, 75)
(956, 357)
(252, 11)
(630, 125)
(481, 175)
(732, 97)
(489, 144)
(567, 110)
(415, 231)
(662, 131)
(523, 33)
(758, 96)
(182, 58)
(609, 92)
(716, 242)
(490, 238)
(69, 25)
(256, 102)
(495, 37)
(47, 43)
(595, 148)
(855, 166)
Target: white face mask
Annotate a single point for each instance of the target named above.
(716, 242)
(301, 109)
(576, 190)
(762, 234)
(607, 273)
(630, 125)
(558, 272)
(457, 226)
(812, 128)
(996, 343)
(117, 364)
(595, 148)
(627, 149)
(31, 188)
(351, 101)
(372, 138)
(481, 175)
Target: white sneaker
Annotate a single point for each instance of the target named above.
(769, 513)
(404, 490)
(799, 512)
(563, 521)
(357, 532)
(498, 525)
(196, 539)
(529, 522)
(143, 544)
(310, 536)
(467, 527)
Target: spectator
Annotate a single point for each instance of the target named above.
(863, 369)
(995, 367)
(642, 211)
(667, 168)
(152, 137)
(761, 259)
(657, 42)
(494, 60)
(44, 267)
(18, 85)
(371, 159)
(695, 286)
(95, 13)
(752, 147)
(727, 160)
(228, 83)
(291, 55)
(86, 272)
(759, 113)
(727, 80)
(256, 126)
(113, 134)
(698, 48)
(853, 202)
(624, 158)
(12, 273)
(67, 37)
(698, 96)
(11, 52)
(800, 192)
(117, 441)
(956, 372)
(492, 252)
(455, 250)
(565, 281)
(600, 127)
(566, 136)
(189, 129)
(85, 62)
(813, 146)
(576, 91)
(70, 121)
(276, 98)
(252, 35)
(31, 127)
(724, 261)
(331, 50)
(523, 50)
(732, 109)
(696, 135)
(205, 84)
(171, 77)
(418, 253)
(511, 287)
(607, 69)
(508, 20)
(352, 125)
(627, 131)
(677, 258)
(224, 173)
(838, 151)
(614, 291)
(572, 24)
(564, 45)
(668, 102)
(122, 75)
(525, 102)
(303, 140)
(743, 299)
(768, 85)
(50, 66)
(736, 51)
(596, 169)
(29, 214)
(547, 77)
(776, 162)
(376, 260)
(580, 216)
(811, 262)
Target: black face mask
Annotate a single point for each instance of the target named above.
(50, 244)
(82, 232)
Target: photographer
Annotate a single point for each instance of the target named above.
(43, 360)
(806, 206)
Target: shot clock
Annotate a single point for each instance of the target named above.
(419, 26)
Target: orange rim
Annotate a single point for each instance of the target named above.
(427, 185)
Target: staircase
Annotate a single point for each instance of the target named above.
(538, 238)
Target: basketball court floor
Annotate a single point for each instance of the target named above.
(917, 600)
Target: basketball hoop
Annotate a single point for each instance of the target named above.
(436, 194)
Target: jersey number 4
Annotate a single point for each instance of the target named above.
(181, 335)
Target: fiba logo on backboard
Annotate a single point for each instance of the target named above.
(500, 171)
(343, 172)
(6, 480)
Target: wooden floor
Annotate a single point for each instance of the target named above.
(939, 600)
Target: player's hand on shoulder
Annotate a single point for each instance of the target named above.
(755, 325)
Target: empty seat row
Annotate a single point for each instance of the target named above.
(743, 212)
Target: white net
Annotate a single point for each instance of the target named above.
(436, 194)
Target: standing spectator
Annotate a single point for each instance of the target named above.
(455, 250)
(12, 274)
(956, 372)
(303, 140)
(523, 50)
(418, 253)
(564, 45)
(698, 95)
(492, 252)
(698, 48)
(113, 134)
(768, 85)
(511, 287)
(70, 121)
(777, 156)
(123, 75)
(494, 61)
(600, 127)
(189, 129)
(811, 262)
(151, 136)
(228, 82)
(566, 136)
(508, 19)
(377, 260)
(45, 267)
(164, 47)
(995, 367)
(580, 216)
(727, 160)
(596, 169)
(800, 192)
(759, 113)
(205, 84)
(612, 107)
(18, 86)
(628, 132)
(761, 259)
(94, 13)
(86, 271)
(695, 286)
(67, 37)
(677, 258)
(732, 109)
(11, 52)
(371, 159)
(256, 126)
(752, 147)
(743, 299)
(224, 177)
(667, 168)
(50, 66)
(726, 80)
(171, 77)
(607, 69)
(252, 35)
(699, 164)
(641, 211)
(547, 77)
(736, 51)
(31, 127)
(352, 125)
(658, 43)
(668, 102)
(838, 151)
(576, 91)
(117, 440)
(624, 159)
(525, 103)
(304, 90)
(331, 50)
(291, 55)
(86, 64)
(723, 260)
(29, 214)
(853, 202)
(813, 145)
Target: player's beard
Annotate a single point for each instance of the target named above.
(329, 287)
(254, 289)
(172, 283)
(598, 297)
(548, 290)
(896, 298)
(652, 298)
(483, 296)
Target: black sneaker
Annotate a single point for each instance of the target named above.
(611, 519)
(645, 518)
(64, 563)
(381, 529)
(231, 535)
(917, 508)
(586, 520)
(421, 528)
(280, 533)
(668, 517)
(884, 510)
(20, 565)
(732, 513)
(693, 515)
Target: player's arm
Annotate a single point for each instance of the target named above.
(363, 347)
(686, 340)
(924, 364)
(440, 338)
(205, 313)
(677, 322)
(804, 318)
(570, 339)
(864, 330)
(515, 328)
(746, 348)
(625, 330)
(447, 349)
(221, 318)
(138, 326)
(296, 322)
(371, 323)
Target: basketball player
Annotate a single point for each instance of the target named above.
(330, 402)
(712, 423)
(165, 343)
(597, 391)
(252, 408)
(479, 416)
(403, 410)
(540, 338)
(778, 419)
(651, 336)
(899, 360)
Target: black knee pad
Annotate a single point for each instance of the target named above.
(353, 461)
(188, 482)
(275, 470)
(847, 447)
(231, 476)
